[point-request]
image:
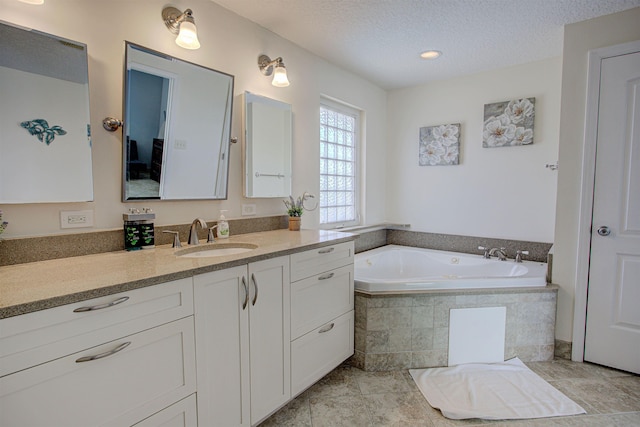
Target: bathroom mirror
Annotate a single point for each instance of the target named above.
(45, 142)
(177, 128)
(267, 147)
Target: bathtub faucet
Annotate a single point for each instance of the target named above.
(499, 253)
(486, 251)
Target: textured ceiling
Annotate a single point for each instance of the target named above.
(381, 39)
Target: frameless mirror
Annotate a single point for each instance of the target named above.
(45, 141)
(176, 129)
(267, 147)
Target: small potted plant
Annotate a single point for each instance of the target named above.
(295, 210)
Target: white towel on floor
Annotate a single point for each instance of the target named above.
(497, 391)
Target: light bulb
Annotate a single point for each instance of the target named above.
(188, 36)
(280, 76)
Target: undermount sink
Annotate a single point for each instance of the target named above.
(215, 249)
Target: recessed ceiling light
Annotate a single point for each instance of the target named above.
(430, 54)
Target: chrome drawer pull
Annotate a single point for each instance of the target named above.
(326, 328)
(326, 276)
(255, 286)
(105, 354)
(246, 293)
(101, 306)
(326, 251)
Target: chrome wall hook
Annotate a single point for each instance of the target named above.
(306, 195)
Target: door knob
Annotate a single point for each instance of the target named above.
(604, 231)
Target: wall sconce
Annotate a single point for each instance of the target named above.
(183, 25)
(275, 67)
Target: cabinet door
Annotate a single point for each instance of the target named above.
(320, 260)
(316, 353)
(35, 338)
(222, 349)
(269, 331)
(320, 298)
(180, 414)
(114, 384)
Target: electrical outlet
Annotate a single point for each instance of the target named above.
(249, 209)
(76, 219)
(180, 144)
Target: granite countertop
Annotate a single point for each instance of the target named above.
(35, 286)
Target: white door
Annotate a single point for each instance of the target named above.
(613, 313)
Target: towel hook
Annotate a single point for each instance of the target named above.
(306, 195)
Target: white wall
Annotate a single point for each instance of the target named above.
(579, 38)
(494, 192)
(230, 44)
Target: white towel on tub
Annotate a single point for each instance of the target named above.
(497, 391)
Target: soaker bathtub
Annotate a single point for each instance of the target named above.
(394, 268)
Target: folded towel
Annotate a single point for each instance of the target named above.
(496, 391)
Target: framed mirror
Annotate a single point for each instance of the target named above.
(267, 147)
(45, 138)
(177, 128)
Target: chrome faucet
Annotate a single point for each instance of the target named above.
(519, 254)
(193, 233)
(486, 251)
(499, 253)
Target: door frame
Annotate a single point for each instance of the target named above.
(588, 184)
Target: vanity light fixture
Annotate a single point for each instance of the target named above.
(275, 67)
(37, 2)
(182, 24)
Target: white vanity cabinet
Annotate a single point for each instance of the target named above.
(111, 361)
(322, 317)
(242, 318)
(224, 348)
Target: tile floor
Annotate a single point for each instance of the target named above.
(351, 397)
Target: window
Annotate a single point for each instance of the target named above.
(339, 127)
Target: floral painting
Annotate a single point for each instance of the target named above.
(508, 123)
(440, 145)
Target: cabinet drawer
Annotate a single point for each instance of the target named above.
(38, 337)
(156, 369)
(318, 299)
(180, 414)
(315, 354)
(315, 261)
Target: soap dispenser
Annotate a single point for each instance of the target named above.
(223, 226)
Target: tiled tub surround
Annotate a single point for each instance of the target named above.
(33, 249)
(375, 237)
(370, 239)
(412, 330)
